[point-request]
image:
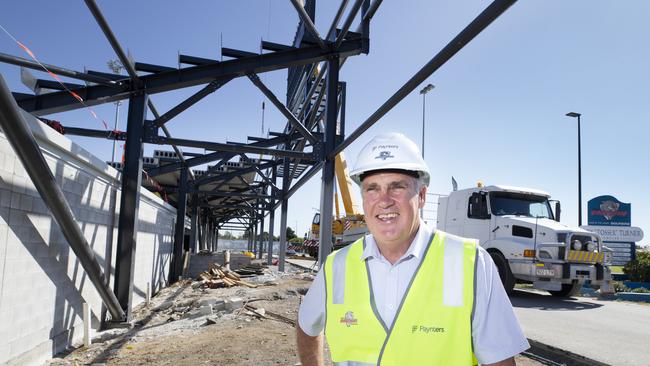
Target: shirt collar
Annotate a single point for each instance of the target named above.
(416, 248)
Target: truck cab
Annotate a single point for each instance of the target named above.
(524, 237)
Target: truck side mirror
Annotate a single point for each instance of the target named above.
(558, 210)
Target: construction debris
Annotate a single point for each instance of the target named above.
(217, 276)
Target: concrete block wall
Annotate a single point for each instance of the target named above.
(42, 284)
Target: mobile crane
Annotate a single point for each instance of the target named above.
(345, 229)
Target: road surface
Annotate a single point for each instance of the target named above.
(612, 332)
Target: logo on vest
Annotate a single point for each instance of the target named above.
(349, 319)
(426, 330)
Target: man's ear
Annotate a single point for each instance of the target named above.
(422, 196)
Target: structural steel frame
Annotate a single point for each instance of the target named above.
(314, 109)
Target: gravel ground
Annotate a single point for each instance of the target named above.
(175, 330)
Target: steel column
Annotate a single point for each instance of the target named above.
(327, 184)
(260, 249)
(283, 218)
(20, 137)
(202, 230)
(130, 201)
(194, 223)
(254, 241)
(176, 267)
(269, 260)
(216, 240)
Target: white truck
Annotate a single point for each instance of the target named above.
(525, 238)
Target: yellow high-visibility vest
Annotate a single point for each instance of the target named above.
(433, 323)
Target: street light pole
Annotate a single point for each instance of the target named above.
(577, 115)
(424, 92)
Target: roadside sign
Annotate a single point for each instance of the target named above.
(608, 211)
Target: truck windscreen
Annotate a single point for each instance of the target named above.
(504, 203)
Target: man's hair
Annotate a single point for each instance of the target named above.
(410, 173)
(419, 180)
(419, 183)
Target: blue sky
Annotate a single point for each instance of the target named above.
(497, 113)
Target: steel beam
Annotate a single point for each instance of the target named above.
(348, 22)
(208, 158)
(183, 78)
(308, 23)
(248, 148)
(216, 238)
(201, 230)
(482, 21)
(19, 61)
(327, 180)
(283, 218)
(110, 135)
(339, 13)
(187, 103)
(130, 201)
(103, 24)
(136, 83)
(260, 248)
(269, 260)
(21, 139)
(193, 220)
(176, 267)
(234, 194)
(230, 175)
(283, 109)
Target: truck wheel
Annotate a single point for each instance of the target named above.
(568, 290)
(507, 278)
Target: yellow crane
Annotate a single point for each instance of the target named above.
(345, 229)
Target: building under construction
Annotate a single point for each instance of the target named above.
(72, 221)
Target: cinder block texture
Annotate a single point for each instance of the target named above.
(42, 283)
(201, 262)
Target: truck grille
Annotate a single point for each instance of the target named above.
(584, 257)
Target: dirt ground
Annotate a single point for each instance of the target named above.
(169, 331)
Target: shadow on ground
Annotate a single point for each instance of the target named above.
(541, 301)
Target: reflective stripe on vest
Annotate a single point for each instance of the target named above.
(433, 323)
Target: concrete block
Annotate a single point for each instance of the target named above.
(234, 303)
(9, 163)
(26, 203)
(220, 305)
(19, 184)
(15, 200)
(5, 198)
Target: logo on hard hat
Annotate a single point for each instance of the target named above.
(349, 319)
(383, 155)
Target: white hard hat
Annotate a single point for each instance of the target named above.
(390, 151)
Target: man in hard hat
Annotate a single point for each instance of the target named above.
(405, 294)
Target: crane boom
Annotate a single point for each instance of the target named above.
(345, 184)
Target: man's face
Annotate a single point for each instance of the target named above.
(390, 204)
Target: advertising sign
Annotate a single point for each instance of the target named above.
(608, 211)
(617, 234)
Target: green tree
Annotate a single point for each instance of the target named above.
(290, 233)
(638, 270)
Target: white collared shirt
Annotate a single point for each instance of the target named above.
(496, 333)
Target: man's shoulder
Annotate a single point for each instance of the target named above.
(358, 242)
(456, 238)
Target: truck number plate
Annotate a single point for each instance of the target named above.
(545, 272)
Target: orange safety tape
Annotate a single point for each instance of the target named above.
(81, 100)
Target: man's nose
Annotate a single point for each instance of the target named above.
(384, 199)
